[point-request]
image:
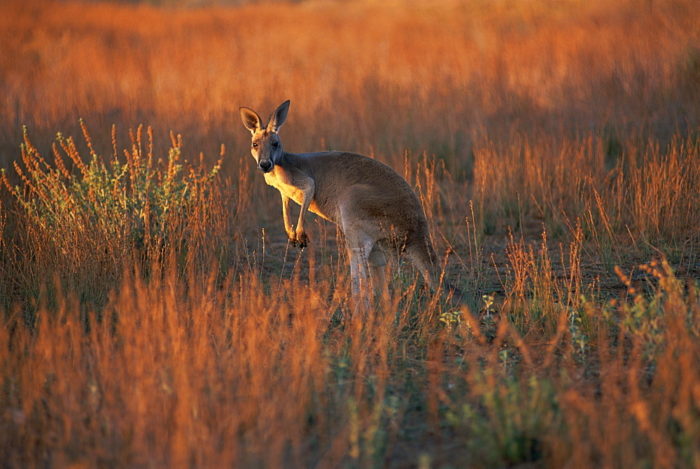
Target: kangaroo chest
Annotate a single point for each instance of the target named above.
(283, 182)
(285, 187)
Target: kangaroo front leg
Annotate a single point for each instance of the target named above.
(300, 235)
(288, 228)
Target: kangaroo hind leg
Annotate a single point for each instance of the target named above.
(359, 248)
(377, 263)
(367, 258)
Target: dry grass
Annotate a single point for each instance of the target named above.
(153, 314)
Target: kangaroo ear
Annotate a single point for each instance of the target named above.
(278, 117)
(251, 119)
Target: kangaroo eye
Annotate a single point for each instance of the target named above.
(255, 144)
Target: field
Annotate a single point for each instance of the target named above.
(153, 314)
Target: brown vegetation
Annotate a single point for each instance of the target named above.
(154, 315)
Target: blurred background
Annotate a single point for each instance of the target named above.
(388, 76)
(153, 314)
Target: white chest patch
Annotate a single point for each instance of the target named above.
(288, 190)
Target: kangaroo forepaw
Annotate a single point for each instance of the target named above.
(300, 240)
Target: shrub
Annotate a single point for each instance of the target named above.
(83, 219)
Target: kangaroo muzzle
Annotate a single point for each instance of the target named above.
(265, 166)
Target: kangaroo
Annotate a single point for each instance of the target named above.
(371, 203)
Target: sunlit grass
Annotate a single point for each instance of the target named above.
(153, 313)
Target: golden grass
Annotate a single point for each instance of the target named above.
(154, 315)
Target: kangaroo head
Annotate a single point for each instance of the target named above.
(265, 146)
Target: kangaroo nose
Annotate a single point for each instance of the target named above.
(265, 165)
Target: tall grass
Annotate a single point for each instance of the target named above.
(646, 194)
(176, 372)
(153, 313)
